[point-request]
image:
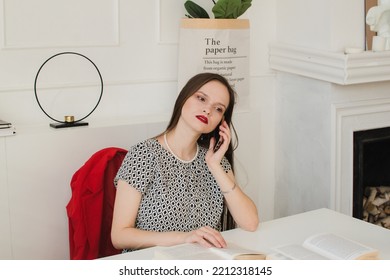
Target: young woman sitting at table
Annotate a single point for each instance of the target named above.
(172, 189)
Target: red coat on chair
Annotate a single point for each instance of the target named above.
(91, 205)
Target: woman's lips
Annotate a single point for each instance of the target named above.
(203, 119)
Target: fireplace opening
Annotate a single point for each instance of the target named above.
(371, 176)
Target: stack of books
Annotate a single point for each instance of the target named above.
(6, 128)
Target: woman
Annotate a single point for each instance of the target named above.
(171, 189)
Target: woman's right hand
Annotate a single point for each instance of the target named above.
(207, 237)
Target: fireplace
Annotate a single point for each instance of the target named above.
(371, 176)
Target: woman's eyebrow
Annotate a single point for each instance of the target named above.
(219, 103)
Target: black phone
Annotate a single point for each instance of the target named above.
(217, 137)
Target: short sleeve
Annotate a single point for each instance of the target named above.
(137, 167)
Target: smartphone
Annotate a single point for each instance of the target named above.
(217, 137)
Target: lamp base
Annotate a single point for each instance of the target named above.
(68, 124)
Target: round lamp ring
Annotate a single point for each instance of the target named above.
(69, 120)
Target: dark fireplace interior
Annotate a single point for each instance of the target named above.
(371, 176)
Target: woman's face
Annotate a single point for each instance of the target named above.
(204, 110)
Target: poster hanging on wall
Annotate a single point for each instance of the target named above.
(215, 45)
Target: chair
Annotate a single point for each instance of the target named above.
(90, 208)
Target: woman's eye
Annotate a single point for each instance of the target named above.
(219, 109)
(201, 98)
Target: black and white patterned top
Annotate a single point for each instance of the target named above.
(176, 195)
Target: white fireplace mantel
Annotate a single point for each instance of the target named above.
(334, 67)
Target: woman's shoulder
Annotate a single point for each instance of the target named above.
(147, 145)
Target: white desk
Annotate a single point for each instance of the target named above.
(294, 229)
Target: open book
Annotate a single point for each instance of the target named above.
(324, 246)
(197, 252)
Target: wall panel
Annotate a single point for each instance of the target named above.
(41, 163)
(27, 24)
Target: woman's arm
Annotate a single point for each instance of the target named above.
(241, 207)
(124, 235)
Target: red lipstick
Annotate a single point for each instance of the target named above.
(203, 119)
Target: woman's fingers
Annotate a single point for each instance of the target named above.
(208, 237)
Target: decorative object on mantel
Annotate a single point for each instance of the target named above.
(69, 120)
(378, 18)
(218, 45)
(368, 4)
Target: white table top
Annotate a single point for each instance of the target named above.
(294, 229)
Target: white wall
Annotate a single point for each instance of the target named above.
(134, 44)
(303, 145)
(321, 24)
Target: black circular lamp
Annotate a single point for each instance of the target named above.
(69, 120)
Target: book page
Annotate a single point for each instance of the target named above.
(235, 252)
(185, 252)
(197, 252)
(4, 123)
(337, 247)
(295, 252)
(277, 256)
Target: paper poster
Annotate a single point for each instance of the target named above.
(218, 46)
